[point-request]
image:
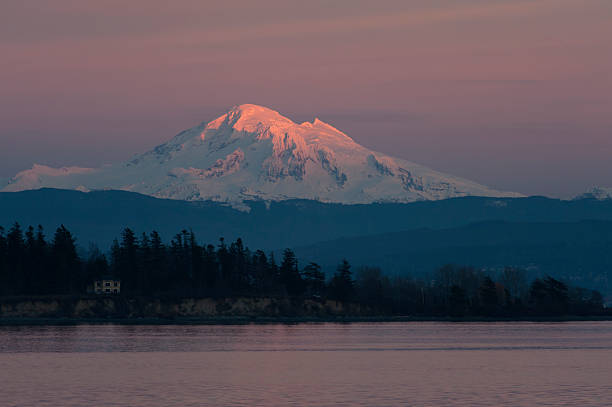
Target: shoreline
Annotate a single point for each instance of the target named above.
(264, 320)
(119, 310)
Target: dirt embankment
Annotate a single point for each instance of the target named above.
(121, 307)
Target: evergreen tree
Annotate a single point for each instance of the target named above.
(66, 263)
(314, 279)
(370, 287)
(15, 259)
(143, 269)
(549, 296)
(211, 267)
(187, 238)
(4, 280)
(488, 296)
(342, 284)
(262, 278)
(457, 301)
(238, 277)
(197, 265)
(41, 252)
(225, 267)
(128, 263)
(179, 262)
(115, 254)
(289, 274)
(515, 281)
(96, 266)
(157, 266)
(35, 275)
(30, 262)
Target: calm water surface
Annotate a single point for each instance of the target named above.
(370, 364)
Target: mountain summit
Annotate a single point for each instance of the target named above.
(252, 152)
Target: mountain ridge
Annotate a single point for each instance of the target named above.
(98, 216)
(254, 153)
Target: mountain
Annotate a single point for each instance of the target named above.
(254, 153)
(596, 193)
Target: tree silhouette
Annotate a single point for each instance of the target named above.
(314, 280)
(342, 284)
(289, 274)
(488, 296)
(457, 301)
(67, 276)
(549, 296)
(31, 265)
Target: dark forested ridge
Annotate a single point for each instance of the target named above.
(33, 265)
(580, 252)
(98, 215)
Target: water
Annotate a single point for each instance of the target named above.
(373, 364)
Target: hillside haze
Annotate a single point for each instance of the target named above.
(255, 153)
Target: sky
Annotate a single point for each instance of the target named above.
(514, 94)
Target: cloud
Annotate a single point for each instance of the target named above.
(201, 23)
(373, 116)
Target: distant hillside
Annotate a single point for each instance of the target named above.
(99, 216)
(580, 252)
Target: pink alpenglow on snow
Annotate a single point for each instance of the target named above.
(255, 153)
(515, 94)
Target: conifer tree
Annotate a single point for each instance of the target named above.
(239, 279)
(211, 267)
(158, 266)
(289, 274)
(96, 266)
(115, 253)
(488, 296)
(314, 279)
(4, 284)
(66, 262)
(15, 259)
(128, 261)
(30, 262)
(143, 269)
(342, 284)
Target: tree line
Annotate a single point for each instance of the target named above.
(32, 264)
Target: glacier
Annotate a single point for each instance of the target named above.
(254, 153)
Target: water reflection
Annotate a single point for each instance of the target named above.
(308, 364)
(306, 337)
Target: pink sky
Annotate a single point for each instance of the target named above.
(515, 94)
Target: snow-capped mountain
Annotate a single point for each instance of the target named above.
(253, 152)
(598, 193)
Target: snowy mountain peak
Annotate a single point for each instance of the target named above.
(249, 118)
(252, 152)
